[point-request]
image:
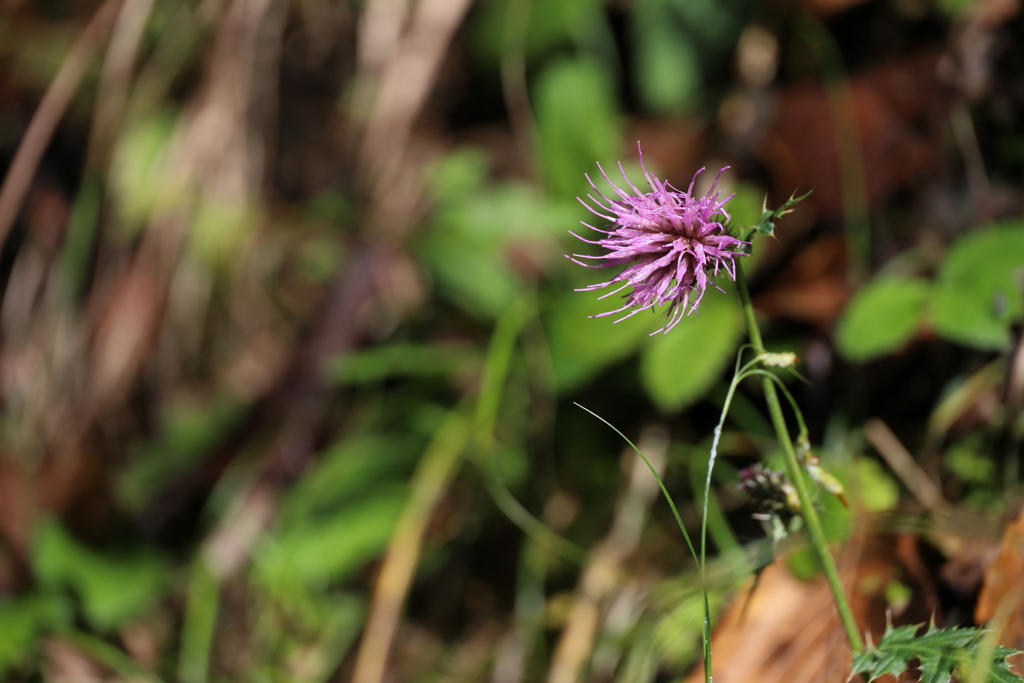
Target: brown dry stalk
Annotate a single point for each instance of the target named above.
(49, 113)
(116, 77)
(406, 80)
(903, 464)
(429, 484)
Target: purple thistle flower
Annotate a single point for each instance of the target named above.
(669, 240)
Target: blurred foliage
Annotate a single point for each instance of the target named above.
(261, 357)
(111, 589)
(481, 229)
(340, 515)
(978, 293)
(566, 141)
(677, 369)
(884, 315)
(677, 43)
(977, 298)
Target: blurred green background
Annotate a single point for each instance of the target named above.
(289, 349)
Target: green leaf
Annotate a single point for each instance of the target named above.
(667, 63)
(675, 612)
(582, 346)
(999, 671)
(677, 634)
(324, 550)
(76, 258)
(22, 620)
(970, 461)
(550, 24)
(980, 287)
(955, 8)
(200, 622)
(461, 172)
(141, 175)
(577, 123)
(478, 233)
(875, 487)
(938, 651)
(19, 624)
(882, 317)
(679, 366)
(347, 470)
(188, 428)
(112, 588)
(404, 360)
(746, 208)
(218, 229)
(340, 514)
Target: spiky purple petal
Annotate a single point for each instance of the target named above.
(669, 241)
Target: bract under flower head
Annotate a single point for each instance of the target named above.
(669, 241)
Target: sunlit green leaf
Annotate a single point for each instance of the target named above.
(679, 366)
(218, 229)
(883, 316)
(347, 471)
(980, 287)
(326, 549)
(112, 588)
(676, 613)
(581, 346)
(577, 122)
(141, 177)
(667, 64)
(677, 634)
(876, 489)
(478, 238)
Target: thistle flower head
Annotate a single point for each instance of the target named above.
(670, 241)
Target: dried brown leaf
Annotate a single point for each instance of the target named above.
(1001, 601)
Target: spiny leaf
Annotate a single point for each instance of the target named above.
(938, 651)
(1002, 672)
(766, 226)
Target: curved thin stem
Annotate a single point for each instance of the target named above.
(664, 491)
(706, 634)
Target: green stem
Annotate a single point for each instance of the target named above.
(795, 473)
